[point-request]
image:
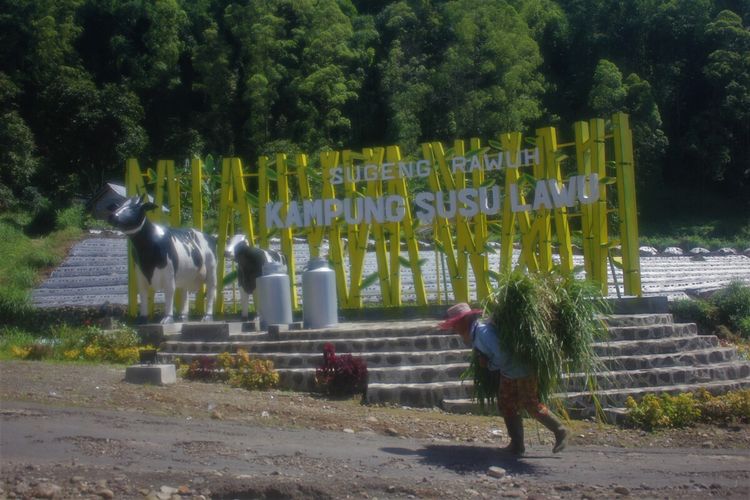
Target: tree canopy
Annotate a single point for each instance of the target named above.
(85, 84)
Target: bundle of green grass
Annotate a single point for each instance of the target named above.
(547, 321)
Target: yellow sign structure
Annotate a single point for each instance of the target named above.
(538, 197)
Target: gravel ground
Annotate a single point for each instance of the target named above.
(48, 396)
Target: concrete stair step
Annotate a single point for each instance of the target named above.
(655, 346)
(414, 364)
(620, 320)
(651, 377)
(391, 359)
(353, 346)
(368, 330)
(418, 395)
(303, 379)
(650, 332)
(682, 358)
(581, 405)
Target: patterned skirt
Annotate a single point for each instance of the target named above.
(516, 394)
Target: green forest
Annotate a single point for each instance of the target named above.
(85, 84)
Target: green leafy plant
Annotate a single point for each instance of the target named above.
(726, 313)
(733, 406)
(700, 312)
(733, 307)
(72, 343)
(485, 385)
(238, 370)
(202, 368)
(548, 321)
(255, 374)
(686, 409)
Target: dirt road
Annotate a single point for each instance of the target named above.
(54, 442)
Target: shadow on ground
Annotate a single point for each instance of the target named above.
(468, 459)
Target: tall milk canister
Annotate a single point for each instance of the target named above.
(274, 296)
(319, 302)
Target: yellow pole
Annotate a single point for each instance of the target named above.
(479, 257)
(627, 204)
(287, 245)
(552, 171)
(583, 164)
(225, 212)
(315, 233)
(196, 170)
(440, 179)
(375, 190)
(599, 209)
(329, 160)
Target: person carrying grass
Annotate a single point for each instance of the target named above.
(516, 386)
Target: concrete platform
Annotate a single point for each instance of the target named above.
(205, 331)
(162, 374)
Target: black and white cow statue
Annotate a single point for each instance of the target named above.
(250, 261)
(167, 258)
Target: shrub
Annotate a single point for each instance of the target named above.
(733, 306)
(21, 352)
(743, 328)
(648, 414)
(94, 344)
(726, 314)
(239, 371)
(38, 352)
(341, 375)
(663, 411)
(731, 407)
(256, 374)
(201, 368)
(686, 409)
(700, 312)
(70, 343)
(225, 361)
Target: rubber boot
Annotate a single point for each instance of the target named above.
(514, 425)
(551, 422)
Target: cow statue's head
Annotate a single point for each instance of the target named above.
(230, 250)
(130, 216)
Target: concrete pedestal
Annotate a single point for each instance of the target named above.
(155, 333)
(206, 331)
(151, 374)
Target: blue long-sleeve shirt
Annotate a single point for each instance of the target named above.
(485, 339)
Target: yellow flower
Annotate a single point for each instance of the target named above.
(71, 354)
(20, 351)
(92, 352)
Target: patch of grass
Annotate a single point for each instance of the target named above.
(26, 259)
(69, 343)
(12, 340)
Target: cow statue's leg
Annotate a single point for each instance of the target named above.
(210, 286)
(256, 305)
(244, 300)
(143, 297)
(169, 289)
(184, 299)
